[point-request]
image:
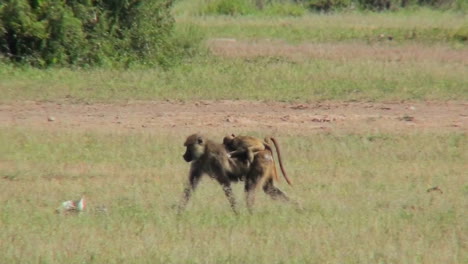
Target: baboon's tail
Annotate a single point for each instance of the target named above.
(278, 152)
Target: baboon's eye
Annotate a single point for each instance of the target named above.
(200, 140)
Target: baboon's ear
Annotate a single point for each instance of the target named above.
(200, 140)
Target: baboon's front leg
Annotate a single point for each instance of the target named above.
(230, 196)
(226, 184)
(194, 179)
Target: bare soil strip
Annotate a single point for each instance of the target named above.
(234, 116)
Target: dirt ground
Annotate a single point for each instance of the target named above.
(238, 116)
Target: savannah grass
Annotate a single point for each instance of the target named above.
(257, 78)
(282, 77)
(422, 25)
(364, 198)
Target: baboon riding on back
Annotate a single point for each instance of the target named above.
(213, 159)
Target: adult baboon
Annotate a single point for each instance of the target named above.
(247, 146)
(208, 157)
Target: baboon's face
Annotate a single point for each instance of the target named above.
(228, 142)
(195, 147)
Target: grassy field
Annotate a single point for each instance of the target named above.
(364, 200)
(364, 196)
(427, 26)
(267, 78)
(345, 56)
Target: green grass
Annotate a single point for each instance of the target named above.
(423, 26)
(364, 199)
(439, 73)
(260, 78)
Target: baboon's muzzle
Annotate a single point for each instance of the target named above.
(187, 157)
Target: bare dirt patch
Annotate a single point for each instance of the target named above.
(235, 116)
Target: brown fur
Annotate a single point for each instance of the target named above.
(248, 146)
(208, 157)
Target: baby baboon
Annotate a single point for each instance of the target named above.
(208, 157)
(240, 146)
(248, 146)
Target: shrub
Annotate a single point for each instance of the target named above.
(437, 3)
(187, 41)
(462, 34)
(327, 5)
(378, 5)
(230, 7)
(85, 32)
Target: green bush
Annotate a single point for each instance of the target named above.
(462, 34)
(378, 5)
(437, 3)
(328, 5)
(187, 41)
(230, 7)
(461, 5)
(86, 32)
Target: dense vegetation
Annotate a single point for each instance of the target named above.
(124, 32)
(85, 32)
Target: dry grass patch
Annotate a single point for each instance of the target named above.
(365, 200)
(232, 48)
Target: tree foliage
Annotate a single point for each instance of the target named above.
(85, 32)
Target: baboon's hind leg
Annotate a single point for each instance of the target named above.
(274, 192)
(250, 187)
(256, 173)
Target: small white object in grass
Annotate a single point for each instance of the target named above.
(68, 206)
(81, 205)
(51, 119)
(72, 206)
